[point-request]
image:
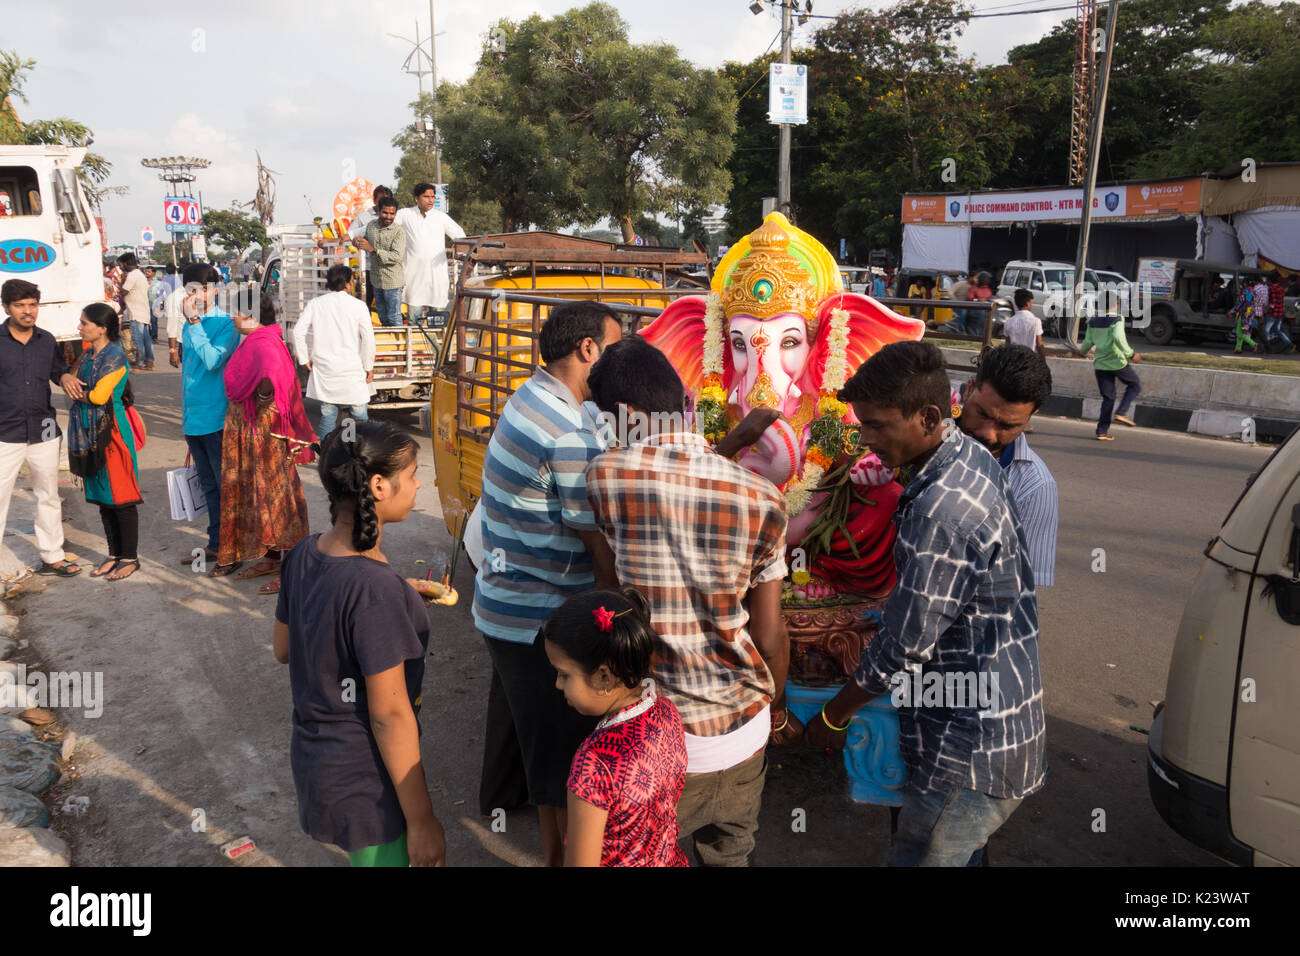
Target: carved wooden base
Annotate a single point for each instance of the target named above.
(827, 636)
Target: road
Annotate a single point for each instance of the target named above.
(191, 749)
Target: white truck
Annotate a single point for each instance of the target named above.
(48, 233)
(405, 356)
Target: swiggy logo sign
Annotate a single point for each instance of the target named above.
(25, 255)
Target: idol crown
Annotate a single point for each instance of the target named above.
(769, 280)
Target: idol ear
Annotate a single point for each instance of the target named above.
(678, 332)
(870, 326)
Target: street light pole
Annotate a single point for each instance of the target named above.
(433, 70)
(783, 170)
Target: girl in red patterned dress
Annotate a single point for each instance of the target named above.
(627, 776)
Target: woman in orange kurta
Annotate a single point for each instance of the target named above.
(102, 442)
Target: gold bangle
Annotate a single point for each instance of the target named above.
(784, 724)
(838, 730)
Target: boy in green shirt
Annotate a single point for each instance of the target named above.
(1106, 335)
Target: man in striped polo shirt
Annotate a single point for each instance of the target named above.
(1010, 386)
(541, 545)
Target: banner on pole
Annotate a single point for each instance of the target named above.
(787, 96)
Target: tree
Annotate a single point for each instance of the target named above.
(566, 121)
(94, 169)
(474, 214)
(233, 230)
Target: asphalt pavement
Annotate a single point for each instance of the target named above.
(191, 750)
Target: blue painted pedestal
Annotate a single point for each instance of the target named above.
(871, 755)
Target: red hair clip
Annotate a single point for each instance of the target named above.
(604, 618)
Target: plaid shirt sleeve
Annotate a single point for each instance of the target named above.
(769, 550)
(569, 458)
(939, 576)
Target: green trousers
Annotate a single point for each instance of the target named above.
(388, 854)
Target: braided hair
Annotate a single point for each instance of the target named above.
(349, 456)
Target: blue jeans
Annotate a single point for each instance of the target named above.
(388, 303)
(1106, 385)
(144, 341)
(206, 452)
(947, 828)
(1273, 326)
(329, 415)
(153, 327)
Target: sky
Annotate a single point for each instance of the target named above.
(317, 85)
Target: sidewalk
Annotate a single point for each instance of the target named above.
(1201, 401)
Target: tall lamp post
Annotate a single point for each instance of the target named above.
(415, 63)
(176, 171)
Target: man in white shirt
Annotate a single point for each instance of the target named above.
(1025, 328)
(341, 357)
(357, 233)
(425, 263)
(135, 296)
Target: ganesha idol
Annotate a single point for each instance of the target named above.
(779, 332)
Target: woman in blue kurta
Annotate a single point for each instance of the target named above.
(100, 432)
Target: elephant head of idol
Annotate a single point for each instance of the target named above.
(779, 332)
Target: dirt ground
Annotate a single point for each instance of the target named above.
(191, 750)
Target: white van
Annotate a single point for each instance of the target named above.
(48, 233)
(1223, 762)
(1042, 278)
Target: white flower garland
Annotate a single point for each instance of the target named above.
(799, 492)
(837, 371)
(713, 335)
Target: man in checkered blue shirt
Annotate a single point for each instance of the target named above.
(963, 615)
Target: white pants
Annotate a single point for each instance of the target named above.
(43, 465)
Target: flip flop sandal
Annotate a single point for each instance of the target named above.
(133, 565)
(102, 571)
(225, 570)
(258, 570)
(1105, 438)
(62, 569)
(270, 587)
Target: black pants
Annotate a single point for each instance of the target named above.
(122, 529)
(503, 783)
(370, 289)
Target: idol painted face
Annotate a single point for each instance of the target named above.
(769, 356)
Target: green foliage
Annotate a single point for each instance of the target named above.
(233, 229)
(566, 121)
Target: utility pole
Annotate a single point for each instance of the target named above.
(1090, 183)
(783, 171)
(433, 80)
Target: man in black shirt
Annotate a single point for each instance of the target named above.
(30, 359)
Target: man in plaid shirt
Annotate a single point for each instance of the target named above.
(962, 615)
(703, 538)
(1274, 322)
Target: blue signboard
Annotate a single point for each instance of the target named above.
(25, 255)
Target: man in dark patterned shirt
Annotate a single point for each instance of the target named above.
(957, 647)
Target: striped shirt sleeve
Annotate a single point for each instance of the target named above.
(1038, 510)
(569, 457)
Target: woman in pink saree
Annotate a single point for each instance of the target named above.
(267, 435)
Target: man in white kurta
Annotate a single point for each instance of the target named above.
(425, 262)
(341, 356)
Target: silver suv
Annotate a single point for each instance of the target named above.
(1042, 278)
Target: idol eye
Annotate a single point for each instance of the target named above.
(738, 344)
(790, 342)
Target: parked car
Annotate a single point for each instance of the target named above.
(1223, 765)
(1043, 278)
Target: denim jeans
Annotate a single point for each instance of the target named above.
(947, 828)
(329, 415)
(1272, 325)
(206, 452)
(1106, 385)
(153, 327)
(144, 341)
(388, 302)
